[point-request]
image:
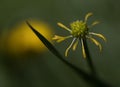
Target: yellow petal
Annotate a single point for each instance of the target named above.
(94, 23)
(60, 38)
(96, 42)
(66, 52)
(99, 35)
(75, 45)
(55, 37)
(83, 49)
(64, 27)
(87, 16)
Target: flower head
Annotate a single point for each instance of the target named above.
(79, 30)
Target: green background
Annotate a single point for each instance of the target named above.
(45, 70)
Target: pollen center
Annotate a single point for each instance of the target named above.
(79, 28)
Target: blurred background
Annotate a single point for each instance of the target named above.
(25, 62)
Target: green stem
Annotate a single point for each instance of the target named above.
(88, 57)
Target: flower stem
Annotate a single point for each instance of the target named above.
(88, 57)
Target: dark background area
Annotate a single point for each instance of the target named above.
(46, 70)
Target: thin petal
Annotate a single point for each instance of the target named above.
(83, 49)
(66, 52)
(87, 16)
(63, 26)
(75, 45)
(96, 43)
(94, 23)
(60, 38)
(99, 35)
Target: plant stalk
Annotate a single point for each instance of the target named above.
(88, 57)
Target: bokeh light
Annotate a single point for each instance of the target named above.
(21, 40)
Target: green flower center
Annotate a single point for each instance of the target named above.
(79, 28)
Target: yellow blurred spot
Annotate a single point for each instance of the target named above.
(21, 38)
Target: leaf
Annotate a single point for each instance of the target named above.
(53, 49)
(46, 42)
(89, 78)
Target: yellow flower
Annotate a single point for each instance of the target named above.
(79, 30)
